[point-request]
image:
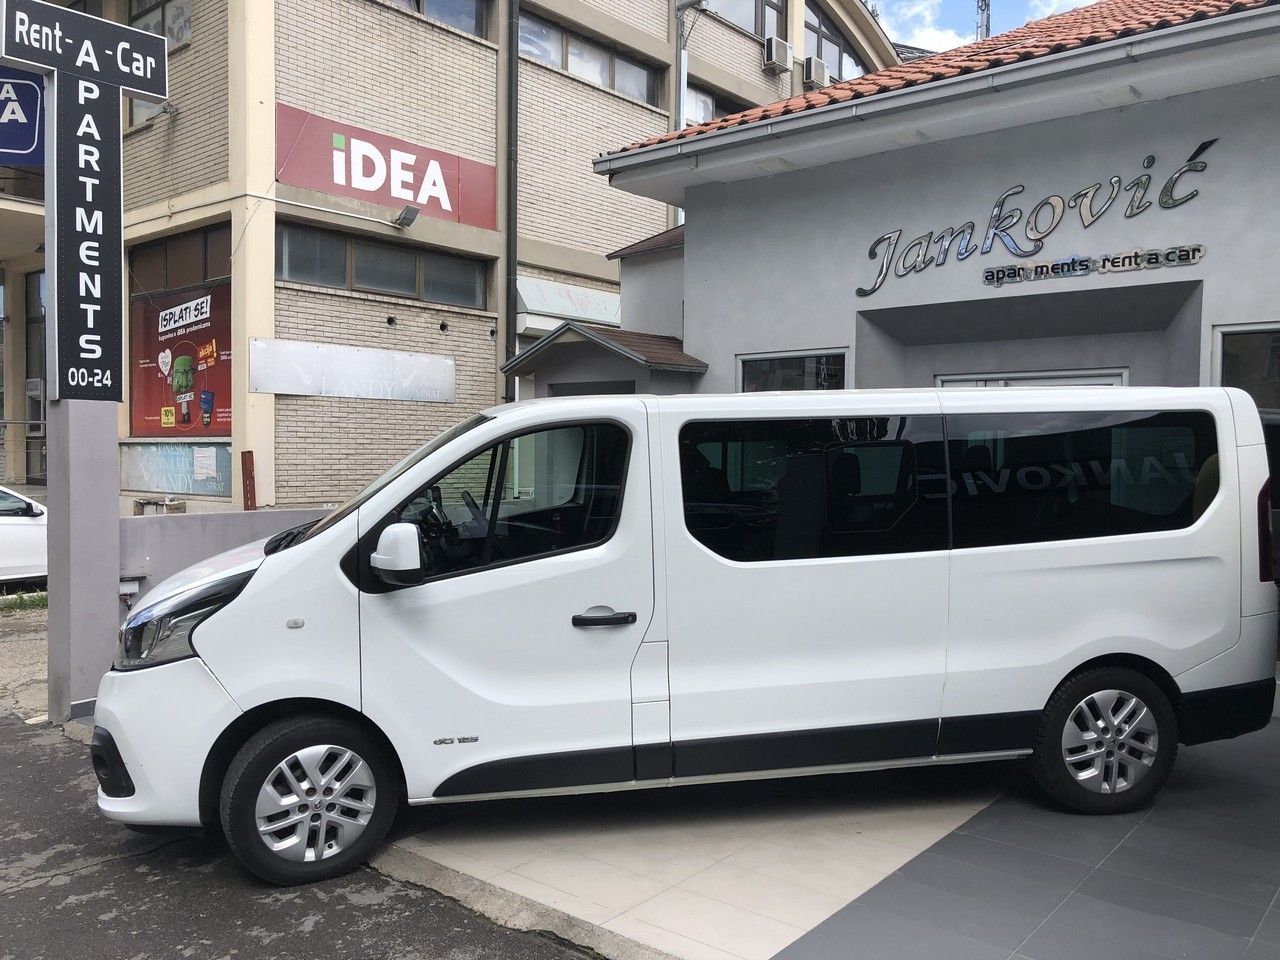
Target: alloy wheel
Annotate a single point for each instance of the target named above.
(315, 803)
(1109, 742)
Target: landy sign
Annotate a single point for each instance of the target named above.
(1091, 202)
(89, 63)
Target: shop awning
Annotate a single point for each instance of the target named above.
(647, 349)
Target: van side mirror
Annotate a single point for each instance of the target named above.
(397, 560)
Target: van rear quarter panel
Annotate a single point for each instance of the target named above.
(1024, 616)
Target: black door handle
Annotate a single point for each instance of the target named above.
(603, 619)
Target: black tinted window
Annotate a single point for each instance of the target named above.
(540, 493)
(790, 489)
(1023, 478)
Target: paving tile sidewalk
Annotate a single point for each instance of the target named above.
(1195, 876)
(724, 871)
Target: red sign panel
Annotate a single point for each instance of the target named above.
(180, 364)
(317, 153)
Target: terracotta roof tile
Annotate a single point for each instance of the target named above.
(1083, 26)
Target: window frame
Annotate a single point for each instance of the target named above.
(721, 106)
(779, 7)
(369, 582)
(351, 241)
(828, 31)
(793, 355)
(569, 35)
(482, 16)
(135, 105)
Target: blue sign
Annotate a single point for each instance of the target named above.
(21, 118)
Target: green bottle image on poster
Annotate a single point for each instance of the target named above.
(183, 381)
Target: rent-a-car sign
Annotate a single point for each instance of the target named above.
(317, 153)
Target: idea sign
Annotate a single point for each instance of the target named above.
(89, 62)
(317, 153)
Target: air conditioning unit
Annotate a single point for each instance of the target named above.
(777, 55)
(816, 73)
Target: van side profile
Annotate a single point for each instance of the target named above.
(604, 593)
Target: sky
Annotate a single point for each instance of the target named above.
(943, 24)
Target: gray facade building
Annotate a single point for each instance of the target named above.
(1095, 214)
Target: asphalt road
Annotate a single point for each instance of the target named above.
(73, 884)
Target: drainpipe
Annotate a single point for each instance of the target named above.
(682, 69)
(513, 168)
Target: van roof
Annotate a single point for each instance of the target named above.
(1026, 398)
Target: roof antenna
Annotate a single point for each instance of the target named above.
(984, 19)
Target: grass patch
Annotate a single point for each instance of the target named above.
(24, 601)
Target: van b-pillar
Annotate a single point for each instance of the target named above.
(88, 63)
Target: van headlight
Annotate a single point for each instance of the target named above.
(161, 632)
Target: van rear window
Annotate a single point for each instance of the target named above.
(1035, 477)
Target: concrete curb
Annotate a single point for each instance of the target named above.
(505, 907)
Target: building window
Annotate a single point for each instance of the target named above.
(464, 15)
(172, 19)
(703, 106)
(1251, 361)
(1034, 478)
(587, 60)
(818, 372)
(328, 259)
(764, 18)
(823, 39)
(183, 260)
(758, 490)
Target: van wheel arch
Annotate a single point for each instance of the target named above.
(1148, 668)
(250, 722)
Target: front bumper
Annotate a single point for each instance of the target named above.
(162, 721)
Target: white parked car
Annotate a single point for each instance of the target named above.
(23, 549)
(591, 594)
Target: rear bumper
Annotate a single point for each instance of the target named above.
(1224, 712)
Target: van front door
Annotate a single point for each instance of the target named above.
(509, 668)
(807, 582)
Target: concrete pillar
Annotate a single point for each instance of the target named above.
(14, 464)
(84, 552)
(252, 104)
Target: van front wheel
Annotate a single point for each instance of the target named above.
(1107, 741)
(307, 799)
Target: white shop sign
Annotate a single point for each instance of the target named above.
(300, 368)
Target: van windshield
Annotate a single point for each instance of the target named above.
(408, 463)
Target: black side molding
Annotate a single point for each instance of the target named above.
(578, 768)
(1225, 712)
(987, 732)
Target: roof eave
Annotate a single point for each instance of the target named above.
(1156, 43)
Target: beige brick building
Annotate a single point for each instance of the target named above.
(317, 220)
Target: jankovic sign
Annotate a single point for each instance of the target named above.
(1090, 203)
(90, 62)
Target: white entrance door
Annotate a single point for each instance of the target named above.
(1044, 378)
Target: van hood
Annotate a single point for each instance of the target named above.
(236, 561)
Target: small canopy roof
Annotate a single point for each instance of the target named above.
(648, 349)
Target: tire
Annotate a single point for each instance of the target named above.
(1112, 767)
(319, 835)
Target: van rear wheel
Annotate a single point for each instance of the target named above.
(1106, 742)
(308, 798)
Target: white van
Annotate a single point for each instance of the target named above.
(606, 593)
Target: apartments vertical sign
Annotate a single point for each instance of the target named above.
(89, 63)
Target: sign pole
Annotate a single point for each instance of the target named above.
(89, 64)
